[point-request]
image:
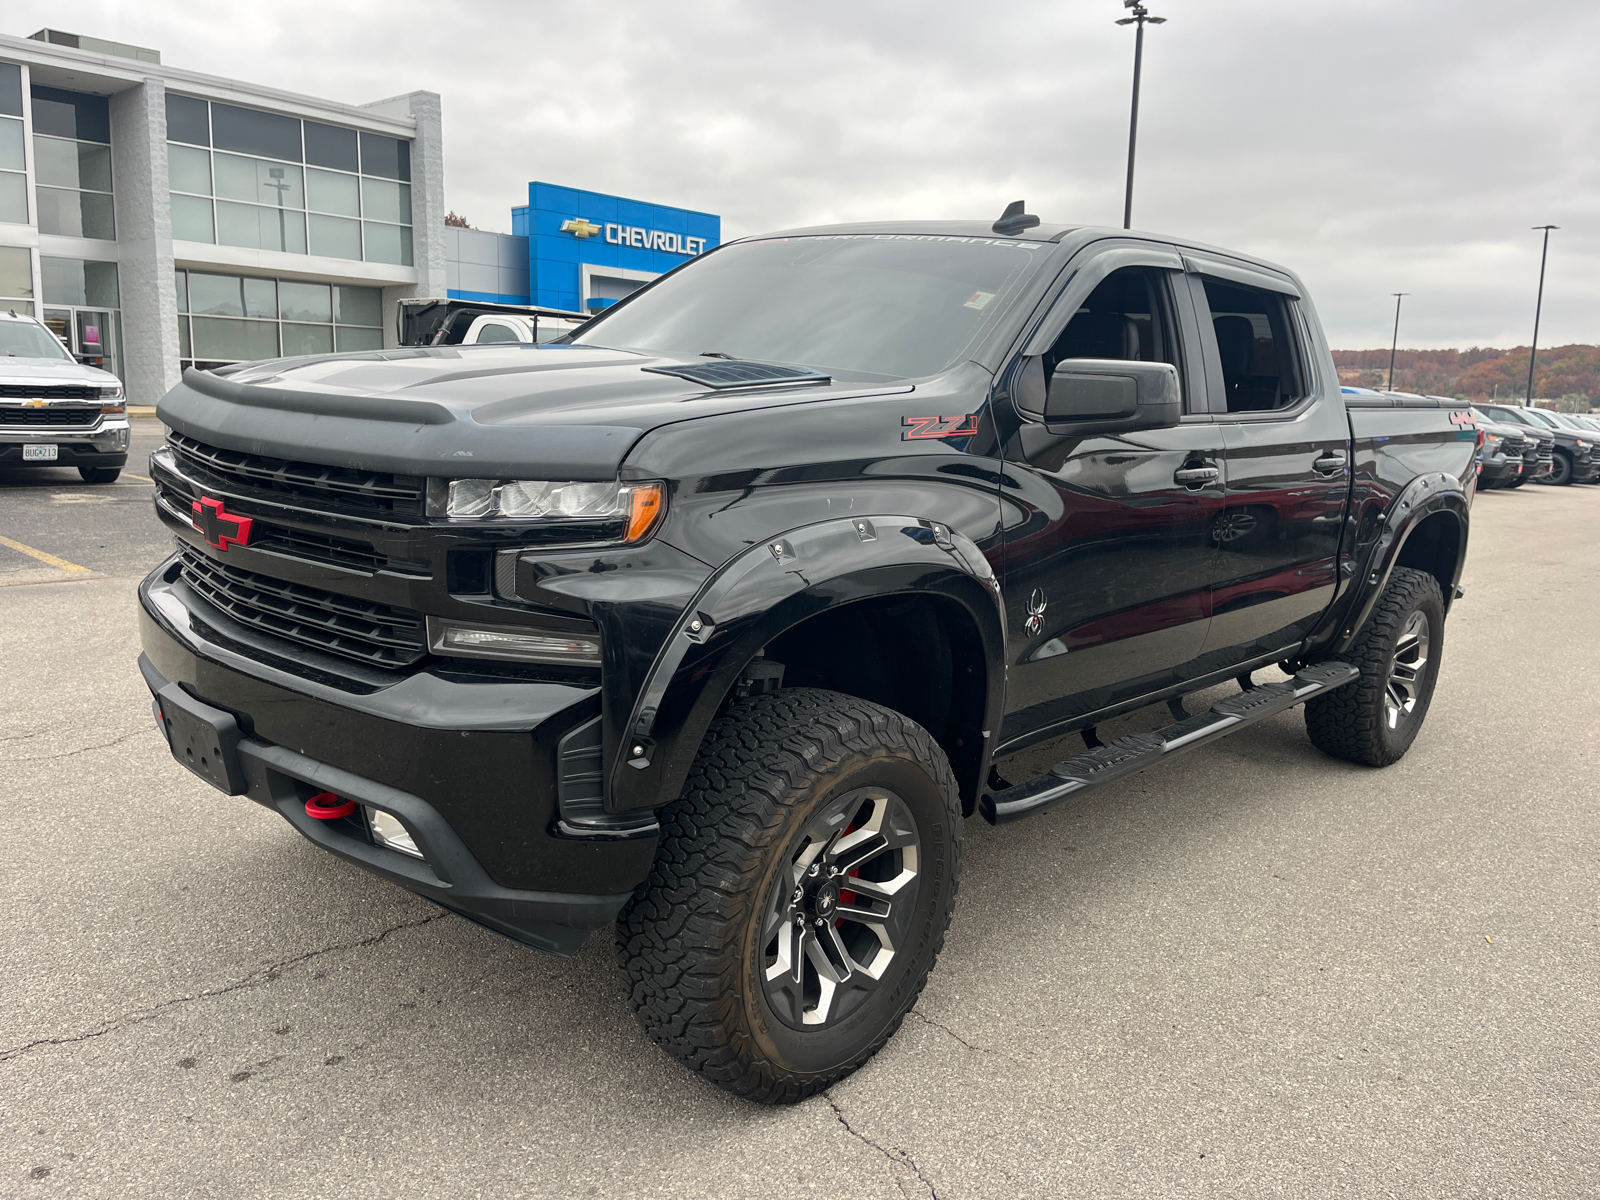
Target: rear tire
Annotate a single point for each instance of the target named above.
(1560, 470)
(784, 783)
(99, 474)
(1375, 719)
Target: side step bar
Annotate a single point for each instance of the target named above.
(1139, 750)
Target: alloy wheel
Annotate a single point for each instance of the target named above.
(1404, 686)
(840, 910)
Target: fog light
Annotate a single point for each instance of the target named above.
(508, 641)
(387, 831)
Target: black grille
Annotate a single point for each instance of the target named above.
(1513, 446)
(334, 551)
(358, 629)
(48, 418)
(338, 487)
(47, 391)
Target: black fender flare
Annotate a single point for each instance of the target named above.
(1423, 497)
(769, 588)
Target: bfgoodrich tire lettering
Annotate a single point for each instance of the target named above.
(1375, 719)
(695, 943)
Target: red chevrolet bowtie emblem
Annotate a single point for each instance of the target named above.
(220, 527)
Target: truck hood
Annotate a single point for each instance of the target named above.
(496, 411)
(58, 371)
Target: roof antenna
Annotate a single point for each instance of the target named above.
(1014, 220)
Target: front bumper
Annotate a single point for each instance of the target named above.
(103, 445)
(1498, 469)
(469, 768)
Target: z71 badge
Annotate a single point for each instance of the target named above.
(917, 428)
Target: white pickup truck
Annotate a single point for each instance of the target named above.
(54, 411)
(425, 322)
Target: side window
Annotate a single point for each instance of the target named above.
(495, 331)
(1128, 316)
(1261, 368)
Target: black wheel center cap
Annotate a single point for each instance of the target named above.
(825, 900)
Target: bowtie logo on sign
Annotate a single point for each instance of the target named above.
(636, 237)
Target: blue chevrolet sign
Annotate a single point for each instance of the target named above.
(587, 249)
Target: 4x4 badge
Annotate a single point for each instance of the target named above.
(938, 427)
(218, 526)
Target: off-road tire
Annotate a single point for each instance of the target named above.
(1560, 470)
(689, 941)
(99, 474)
(1350, 721)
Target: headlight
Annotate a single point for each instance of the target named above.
(111, 392)
(1492, 440)
(638, 505)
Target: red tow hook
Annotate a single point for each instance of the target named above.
(325, 806)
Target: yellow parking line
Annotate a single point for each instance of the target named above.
(51, 559)
(141, 478)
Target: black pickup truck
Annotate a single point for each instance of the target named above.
(716, 618)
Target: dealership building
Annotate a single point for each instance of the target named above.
(161, 218)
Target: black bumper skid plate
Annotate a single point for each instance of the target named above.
(1139, 750)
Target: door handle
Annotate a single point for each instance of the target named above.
(1329, 462)
(1195, 476)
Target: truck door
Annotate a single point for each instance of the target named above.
(1107, 554)
(1287, 442)
(496, 329)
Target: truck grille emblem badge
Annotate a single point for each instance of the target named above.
(218, 526)
(1036, 606)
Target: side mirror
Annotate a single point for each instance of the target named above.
(1109, 395)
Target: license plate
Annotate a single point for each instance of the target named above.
(202, 738)
(40, 452)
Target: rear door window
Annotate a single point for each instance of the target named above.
(1261, 362)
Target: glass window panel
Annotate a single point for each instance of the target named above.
(218, 338)
(259, 182)
(331, 193)
(183, 338)
(75, 214)
(260, 228)
(71, 115)
(16, 271)
(305, 301)
(62, 279)
(385, 201)
(181, 282)
(55, 162)
(307, 339)
(358, 305)
(100, 284)
(260, 298)
(252, 132)
(11, 145)
(11, 89)
(189, 170)
(23, 308)
(188, 120)
(330, 146)
(191, 219)
(385, 156)
(13, 198)
(336, 237)
(94, 167)
(359, 339)
(388, 243)
(215, 295)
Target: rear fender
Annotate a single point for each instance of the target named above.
(768, 589)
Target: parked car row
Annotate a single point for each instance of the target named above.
(1569, 441)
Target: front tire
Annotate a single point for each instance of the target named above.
(1375, 719)
(99, 474)
(1560, 470)
(800, 894)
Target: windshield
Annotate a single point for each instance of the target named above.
(900, 305)
(1534, 417)
(25, 339)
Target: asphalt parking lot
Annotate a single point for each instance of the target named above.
(1253, 971)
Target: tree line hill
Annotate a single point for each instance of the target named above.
(1481, 373)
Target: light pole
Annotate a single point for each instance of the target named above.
(1538, 305)
(1394, 345)
(1141, 15)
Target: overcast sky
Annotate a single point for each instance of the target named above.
(1372, 146)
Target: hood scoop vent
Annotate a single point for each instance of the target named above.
(734, 373)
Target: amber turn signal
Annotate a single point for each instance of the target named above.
(646, 503)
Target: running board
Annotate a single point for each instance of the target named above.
(1140, 750)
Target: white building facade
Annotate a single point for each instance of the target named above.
(160, 218)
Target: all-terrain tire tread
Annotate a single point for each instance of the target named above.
(1348, 722)
(678, 939)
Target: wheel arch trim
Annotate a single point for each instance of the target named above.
(769, 589)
